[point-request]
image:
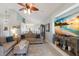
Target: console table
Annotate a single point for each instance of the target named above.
(69, 44)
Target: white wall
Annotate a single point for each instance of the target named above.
(10, 21)
(49, 35)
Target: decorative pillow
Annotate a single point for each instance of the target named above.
(38, 36)
(9, 39)
(1, 44)
(23, 36)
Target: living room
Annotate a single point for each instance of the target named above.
(28, 29)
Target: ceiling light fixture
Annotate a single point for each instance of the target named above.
(29, 11)
(25, 11)
(29, 7)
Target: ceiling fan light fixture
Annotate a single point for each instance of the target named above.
(29, 11)
(29, 7)
(25, 11)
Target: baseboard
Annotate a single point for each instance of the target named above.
(58, 49)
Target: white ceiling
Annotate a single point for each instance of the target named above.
(45, 11)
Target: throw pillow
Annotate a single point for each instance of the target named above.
(1, 44)
(9, 39)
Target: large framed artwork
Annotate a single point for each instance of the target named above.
(67, 26)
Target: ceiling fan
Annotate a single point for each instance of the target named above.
(28, 7)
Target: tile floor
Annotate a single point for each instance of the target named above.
(42, 50)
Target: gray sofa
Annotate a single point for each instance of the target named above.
(9, 48)
(6, 48)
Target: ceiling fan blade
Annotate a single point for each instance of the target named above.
(21, 4)
(21, 9)
(34, 9)
(31, 11)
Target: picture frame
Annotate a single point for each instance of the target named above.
(48, 27)
(5, 28)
